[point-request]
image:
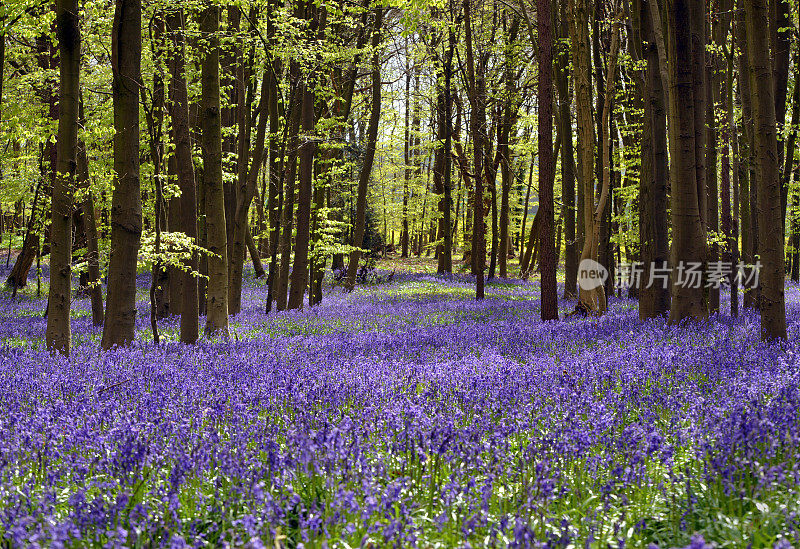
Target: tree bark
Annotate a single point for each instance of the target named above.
(174, 221)
(477, 118)
(217, 238)
(712, 183)
(581, 63)
(274, 169)
(404, 236)
(253, 251)
(244, 197)
(697, 9)
(654, 299)
(58, 334)
(290, 169)
(446, 255)
(159, 284)
(299, 276)
(788, 167)
(689, 236)
(567, 163)
(549, 296)
(369, 154)
(95, 288)
(781, 26)
(185, 169)
(749, 184)
(770, 226)
(18, 278)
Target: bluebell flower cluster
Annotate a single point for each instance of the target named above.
(403, 415)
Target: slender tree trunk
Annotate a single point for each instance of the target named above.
(781, 26)
(47, 60)
(369, 154)
(95, 288)
(748, 176)
(506, 182)
(159, 285)
(231, 61)
(712, 183)
(241, 198)
(549, 290)
(18, 278)
(446, 256)
(725, 184)
(795, 238)
(523, 230)
(185, 169)
(718, 84)
(217, 238)
(567, 163)
(697, 9)
(581, 62)
(290, 169)
(404, 236)
(770, 226)
(788, 165)
(654, 298)
(58, 334)
(174, 220)
(299, 276)
(735, 168)
(477, 118)
(592, 299)
(275, 183)
(492, 182)
(255, 257)
(248, 181)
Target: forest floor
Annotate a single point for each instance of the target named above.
(402, 414)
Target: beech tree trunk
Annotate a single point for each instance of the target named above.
(477, 118)
(217, 238)
(567, 160)
(689, 236)
(404, 236)
(581, 63)
(770, 225)
(126, 207)
(18, 277)
(733, 139)
(787, 176)
(591, 299)
(299, 277)
(58, 334)
(273, 144)
(369, 153)
(446, 231)
(749, 184)
(780, 29)
(183, 162)
(549, 295)
(712, 183)
(287, 222)
(504, 150)
(654, 300)
(252, 249)
(95, 288)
